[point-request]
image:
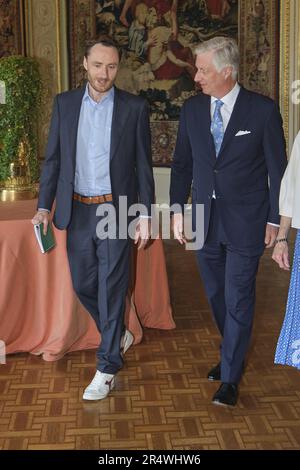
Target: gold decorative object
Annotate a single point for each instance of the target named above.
(18, 185)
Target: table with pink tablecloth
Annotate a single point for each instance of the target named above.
(39, 312)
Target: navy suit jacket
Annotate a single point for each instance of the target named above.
(246, 175)
(130, 154)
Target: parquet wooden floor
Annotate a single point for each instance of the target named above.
(162, 397)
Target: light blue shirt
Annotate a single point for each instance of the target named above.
(92, 176)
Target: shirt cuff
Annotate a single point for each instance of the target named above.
(42, 209)
(274, 225)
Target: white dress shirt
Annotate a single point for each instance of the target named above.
(289, 199)
(227, 108)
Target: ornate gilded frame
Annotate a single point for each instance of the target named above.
(46, 40)
(289, 67)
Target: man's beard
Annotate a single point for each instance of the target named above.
(100, 85)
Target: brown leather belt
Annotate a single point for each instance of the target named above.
(93, 199)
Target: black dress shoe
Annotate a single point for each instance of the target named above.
(215, 373)
(227, 394)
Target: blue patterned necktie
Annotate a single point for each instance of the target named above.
(216, 127)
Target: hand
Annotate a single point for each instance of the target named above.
(152, 41)
(174, 32)
(124, 21)
(225, 8)
(142, 232)
(281, 255)
(178, 228)
(270, 236)
(42, 217)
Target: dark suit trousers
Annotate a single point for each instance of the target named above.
(100, 274)
(229, 274)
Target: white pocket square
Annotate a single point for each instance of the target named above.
(242, 133)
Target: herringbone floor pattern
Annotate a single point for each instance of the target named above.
(162, 397)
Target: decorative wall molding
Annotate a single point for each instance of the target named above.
(46, 40)
(289, 67)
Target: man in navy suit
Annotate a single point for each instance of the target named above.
(99, 149)
(231, 149)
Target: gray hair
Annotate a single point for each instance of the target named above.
(226, 53)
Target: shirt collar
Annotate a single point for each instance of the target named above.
(109, 96)
(229, 99)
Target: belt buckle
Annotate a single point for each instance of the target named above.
(90, 199)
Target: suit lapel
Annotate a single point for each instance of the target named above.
(207, 120)
(202, 125)
(73, 119)
(237, 119)
(119, 118)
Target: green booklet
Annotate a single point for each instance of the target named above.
(46, 242)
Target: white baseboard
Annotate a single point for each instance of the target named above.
(162, 184)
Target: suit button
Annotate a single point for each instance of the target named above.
(216, 171)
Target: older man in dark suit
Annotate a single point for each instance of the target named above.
(231, 149)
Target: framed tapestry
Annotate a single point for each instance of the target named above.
(259, 46)
(11, 27)
(158, 37)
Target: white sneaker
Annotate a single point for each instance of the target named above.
(99, 387)
(126, 341)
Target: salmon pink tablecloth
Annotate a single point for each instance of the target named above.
(39, 312)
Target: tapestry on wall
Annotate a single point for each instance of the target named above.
(259, 46)
(158, 37)
(11, 27)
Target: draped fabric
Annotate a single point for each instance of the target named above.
(39, 313)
